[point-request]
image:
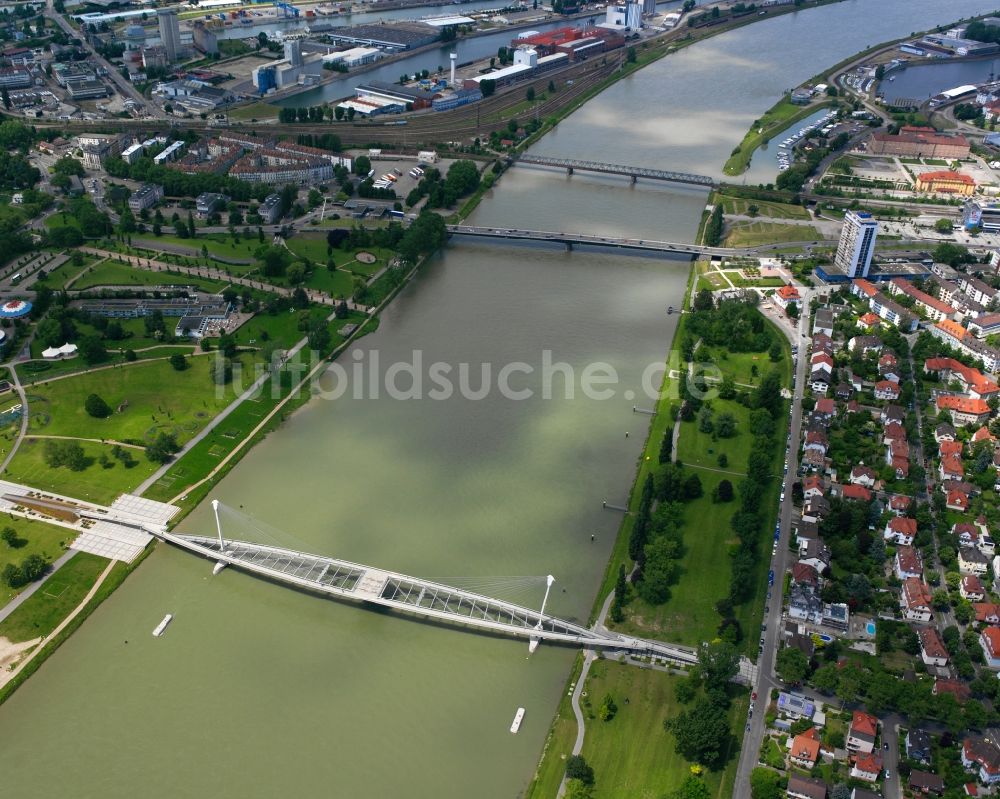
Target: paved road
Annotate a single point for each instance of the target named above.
(24, 417)
(753, 737)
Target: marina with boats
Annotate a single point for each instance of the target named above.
(786, 150)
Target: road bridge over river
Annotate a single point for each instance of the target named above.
(647, 245)
(414, 596)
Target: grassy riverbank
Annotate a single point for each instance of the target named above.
(55, 602)
(776, 119)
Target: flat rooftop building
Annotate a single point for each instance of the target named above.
(393, 36)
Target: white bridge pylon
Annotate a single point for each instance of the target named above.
(412, 596)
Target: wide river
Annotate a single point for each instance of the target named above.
(259, 691)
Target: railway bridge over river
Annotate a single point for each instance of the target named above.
(416, 597)
(633, 172)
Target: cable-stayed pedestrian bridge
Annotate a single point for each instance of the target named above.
(413, 596)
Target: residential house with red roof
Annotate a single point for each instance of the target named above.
(956, 499)
(932, 649)
(951, 467)
(900, 530)
(805, 574)
(986, 612)
(867, 767)
(981, 755)
(972, 588)
(886, 390)
(915, 600)
(821, 361)
(862, 733)
(981, 435)
(856, 493)
(989, 640)
(812, 486)
(908, 563)
(805, 749)
(825, 407)
(957, 688)
(863, 476)
(787, 295)
(893, 431)
(900, 504)
(897, 455)
(964, 410)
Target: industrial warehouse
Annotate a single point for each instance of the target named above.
(533, 54)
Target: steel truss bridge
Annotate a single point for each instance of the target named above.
(633, 172)
(413, 596)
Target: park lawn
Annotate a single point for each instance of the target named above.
(314, 248)
(135, 339)
(10, 213)
(63, 275)
(160, 399)
(382, 259)
(752, 234)
(633, 757)
(760, 282)
(739, 365)
(217, 244)
(113, 273)
(711, 281)
(232, 47)
(281, 329)
(138, 340)
(41, 538)
(61, 219)
(209, 452)
(702, 449)
(32, 372)
(94, 483)
(335, 284)
(41, 613)
(689, 616)
(774, 210)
